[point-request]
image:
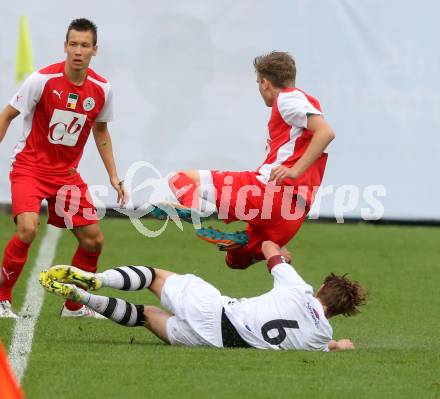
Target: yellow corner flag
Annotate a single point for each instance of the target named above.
(25, 61)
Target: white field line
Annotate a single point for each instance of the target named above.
(22, 337)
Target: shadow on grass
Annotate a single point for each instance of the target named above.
(112, 342)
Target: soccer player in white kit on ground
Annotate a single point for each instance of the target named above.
(286, 317)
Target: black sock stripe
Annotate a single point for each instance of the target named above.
(140, 315)
(111, 306)
(126, 278)
(153, 273)
(141, 276)
(127, 314)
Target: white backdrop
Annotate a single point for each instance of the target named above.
(186, 97)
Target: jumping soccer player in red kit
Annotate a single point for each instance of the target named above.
(276, 198)
(60, 105)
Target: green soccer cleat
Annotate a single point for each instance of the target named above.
(67, 291)
(73, 275)
(223, 241)
(166, 210)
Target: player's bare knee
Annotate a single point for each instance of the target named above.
(159, 280)
(98, 241)
(92, 243)
(27, 231)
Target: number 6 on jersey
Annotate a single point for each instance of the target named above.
(280, 326)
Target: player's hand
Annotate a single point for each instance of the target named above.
(286, 254)
(278, 174)
(118, 185)
(344, 344)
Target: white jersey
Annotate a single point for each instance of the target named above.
(287, 317)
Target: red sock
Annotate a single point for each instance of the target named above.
(242, 258)
(87, 261)
(14, 258)
(185, 190)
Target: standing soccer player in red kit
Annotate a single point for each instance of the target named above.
(60, 105)
(276, 198)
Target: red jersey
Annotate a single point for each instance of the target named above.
(58, 116)
(289, 137)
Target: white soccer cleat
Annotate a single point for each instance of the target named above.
(84, 312)
(6, 311)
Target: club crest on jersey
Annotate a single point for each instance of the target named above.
(72, 99)
(88, 104)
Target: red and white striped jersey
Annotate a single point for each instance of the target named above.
(289, 137)
(58, 116)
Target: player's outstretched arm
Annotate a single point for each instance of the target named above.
(6, 117)
(104, 144)
(269, 249)
(276, 264)
(340, 345)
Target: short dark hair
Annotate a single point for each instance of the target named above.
(277, 67)
(83, 25)
(341, 296)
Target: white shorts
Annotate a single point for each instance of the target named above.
(197, 310)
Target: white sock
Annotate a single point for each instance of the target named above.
(207, 193)
(127, 278)
(115, 309)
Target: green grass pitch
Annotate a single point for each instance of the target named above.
(397, 335)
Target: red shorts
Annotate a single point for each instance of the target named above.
(280, 232)
(69, 202)
(273, 213)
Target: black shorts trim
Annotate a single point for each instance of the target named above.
(231, 338)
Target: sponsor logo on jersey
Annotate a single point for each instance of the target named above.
(72, 99)
(57, 93)
(88, 104)
(65, 127)
(314, 314)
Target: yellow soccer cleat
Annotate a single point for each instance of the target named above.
(67, 291)
(73, 275)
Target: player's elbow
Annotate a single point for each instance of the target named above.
(326, 136)
(331, 135)
(8, 114)
(100, 128)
